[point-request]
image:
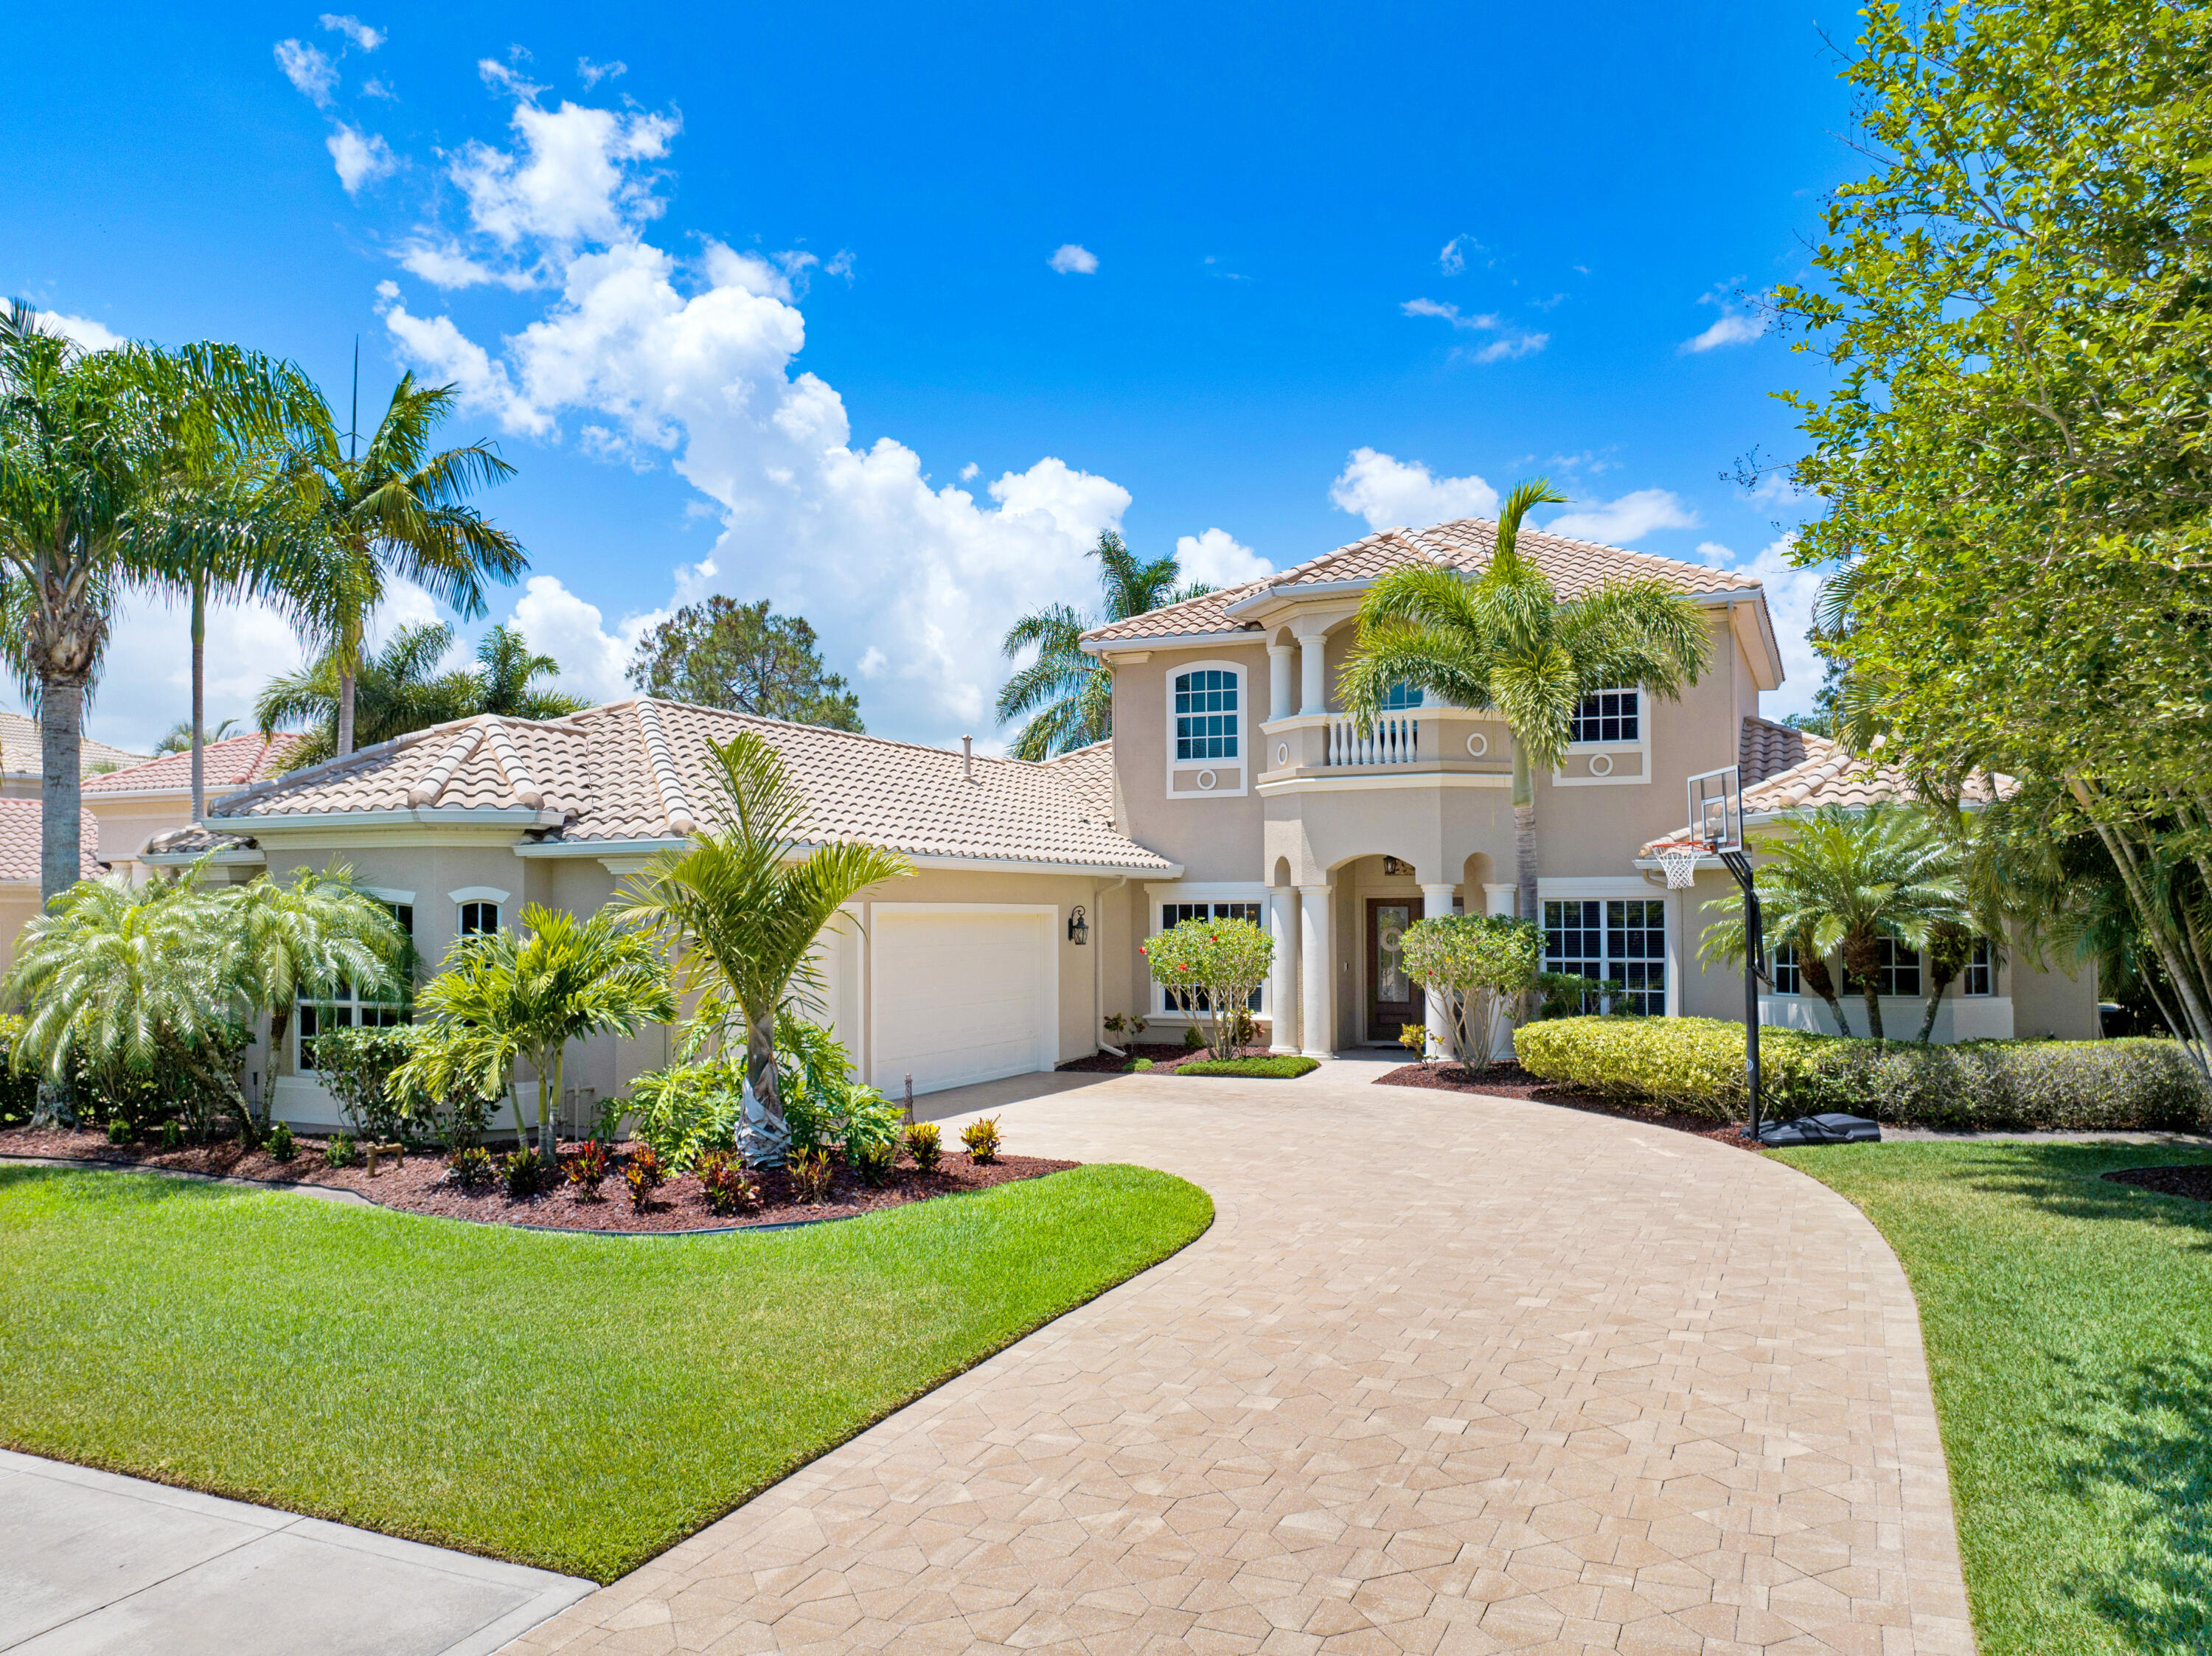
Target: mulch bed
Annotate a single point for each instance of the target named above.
(1165, 1055)
(1511, 1081)
(421, 1186)
(2194, 1182)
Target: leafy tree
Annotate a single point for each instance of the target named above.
(2016, 449)
(1067, 696)
(741, 908)
(400, 689)
(286, 938)
(1478, 966)
(117, 467)
(1211, 969)
(1505, 640)
(1844, 879)
(744, 657)
(394, 509)
(504, 997)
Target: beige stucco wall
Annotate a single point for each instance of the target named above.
(126, 825)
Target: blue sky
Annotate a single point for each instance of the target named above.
(883, 312)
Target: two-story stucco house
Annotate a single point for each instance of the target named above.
(1233, 785)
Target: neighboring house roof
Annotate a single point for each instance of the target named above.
(641, 770)
(231, 763)
(1784, 771)
(20, 840)
(1572, 566)
(20, 750)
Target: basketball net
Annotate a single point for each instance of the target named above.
(1679, 860)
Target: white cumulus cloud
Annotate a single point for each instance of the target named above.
(1619, 523)
(1731, 327)
(1793, 597)
(1217, 559)
(594, 659)
(308, 70)
(361, 158)
(93, 335)
(691, 361)
(1390, 493)
(354, 29)
(1070, 259)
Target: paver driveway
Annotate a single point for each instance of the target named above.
(1447, 1374)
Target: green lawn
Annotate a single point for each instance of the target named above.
(2069, 1324)
(575, 1402)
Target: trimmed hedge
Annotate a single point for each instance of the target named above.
(1289, 1067)
(1696, 1065)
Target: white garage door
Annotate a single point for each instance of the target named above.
(962, 994)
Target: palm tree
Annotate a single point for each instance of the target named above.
(1504, 640)
(178, 738)
(741, 908)
(395, 509)
(1848, 879)
(114, 469)
(505, 997)
(398, 690)
(1066, 695)
(510, 670)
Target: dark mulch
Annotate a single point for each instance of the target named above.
(422, 1186)
(1165, 1055)
(2192, 1180)
(1511, 1081)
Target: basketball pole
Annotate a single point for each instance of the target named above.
(1754, 961)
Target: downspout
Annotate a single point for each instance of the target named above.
(1098, 967)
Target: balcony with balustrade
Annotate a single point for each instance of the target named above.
(1440, 746)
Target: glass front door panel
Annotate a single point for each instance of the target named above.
(1394, 999)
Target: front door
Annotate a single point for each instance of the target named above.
(1394, 1000)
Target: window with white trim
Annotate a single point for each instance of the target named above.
(1399, 697)
(1980, 977)
(1897, 974)
(1609, 716)
(1782, 970)
(479, 918)
(345, 1005)
(1621, 941)
(1173, 914)
(1205, 714)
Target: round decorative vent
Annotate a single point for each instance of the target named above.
(1601, 764)
(1478, 744)
(1206, 779)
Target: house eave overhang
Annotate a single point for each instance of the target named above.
(233, 857)
(606, 848)
(1168, 641)
(515, 819)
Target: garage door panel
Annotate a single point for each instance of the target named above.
(962, 997)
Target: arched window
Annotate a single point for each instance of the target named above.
(1205, 714)
(479, 918)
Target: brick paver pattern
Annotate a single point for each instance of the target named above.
(1448, 1375)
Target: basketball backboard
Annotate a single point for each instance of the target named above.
(1716, 809)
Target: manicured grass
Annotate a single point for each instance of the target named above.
(575, 1402)
(1288, 1067)
(2068, 1325)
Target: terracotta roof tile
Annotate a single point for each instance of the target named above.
(20, 840)
(232, 762)
(1467, 543)
(19, 748)
(595, 774)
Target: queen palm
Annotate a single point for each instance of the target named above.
(395, 509)
(1844, 880)
(1068, 696)
(1503, 641)
(741, 908)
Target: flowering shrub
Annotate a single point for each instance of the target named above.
(1478, 966)
(1210, 970)
(587, 1170)
(981, 1139)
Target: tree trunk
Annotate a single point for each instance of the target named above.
(1928, 1018)
(345, 714)
(61, 801)
(760, 1066)
(1524, 832)
(1814, 971)
(1862, 961)
(199, 699)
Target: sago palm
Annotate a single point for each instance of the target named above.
(1503, 640)
(1844, 880)
(742, 907)
(1067, 696)
(503, 998)
(397, 510)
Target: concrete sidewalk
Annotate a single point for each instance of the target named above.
(92, 1562)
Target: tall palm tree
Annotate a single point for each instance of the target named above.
(508, 669)
(1845, 880)
(395, 509)
(741, 908)
(500, 997)
(115, 468)
(397, 689)
(1066, 695)
(1505, 640)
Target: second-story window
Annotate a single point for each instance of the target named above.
(478, 920)
(1400, 697)
(1205, 714)
(1609, 716)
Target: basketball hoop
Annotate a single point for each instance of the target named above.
(1679, 860)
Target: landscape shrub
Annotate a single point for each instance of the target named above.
(981, 1139)
(641, 1184)
(1210, 970)
(728, 1187)
(1192, 1040)
(924, 1143)
(522, 1173)
(646, 1160)
(811, 1176)
(874, 1162)
(1136, 1064)
(1696, 1065)
(19, 1093)
(1478, 966)
(1286, 1066)
(470, 1166)
(587, 1170)
(338, 1150)
(119, 1131)
(823, 1105)
(173, 1138)
(283, 1146)
(356, 1067)
(687, 1109)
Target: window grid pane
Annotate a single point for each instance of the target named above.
(1607, 716)
(1205, 714)
(1400, 697)
(1173, 914)
(1622, 942)
(344, 1006)
(1980, 976)
(1784, 969)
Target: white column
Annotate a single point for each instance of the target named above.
(1279, 685)
(1313, 669)
(1503, 900)
(1314, 957)
(1437, 901)
(1283, 975)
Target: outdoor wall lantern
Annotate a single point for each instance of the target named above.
(1078, 929)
